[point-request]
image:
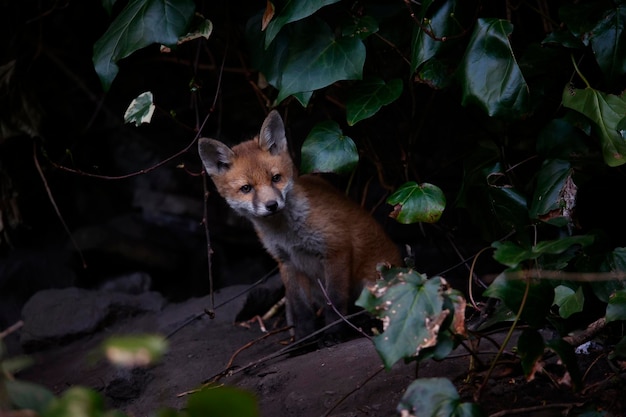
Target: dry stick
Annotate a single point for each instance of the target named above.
(14, 327)
(341, 316)
(290, 348)
(209, 250)
(535, 408)
(234, 297)
(54, 204)
(358, 387)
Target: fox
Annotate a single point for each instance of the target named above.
(315, 233)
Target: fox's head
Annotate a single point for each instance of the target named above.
(255, 176)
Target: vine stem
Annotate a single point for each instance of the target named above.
(505, 342)
(580, 74)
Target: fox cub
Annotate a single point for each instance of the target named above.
(312, 230)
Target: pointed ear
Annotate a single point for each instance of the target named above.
(216, 157)
(272, 136)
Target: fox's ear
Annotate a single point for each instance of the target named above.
(272, 136)
(216, 157)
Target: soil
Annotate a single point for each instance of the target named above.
(345, 379)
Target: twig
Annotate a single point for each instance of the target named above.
(535, 408)
(358, 387)
(14, 327)
(587, 334)
(292, 347)
(248, 345)
(341, 316)
(234, 297)
(54, 204)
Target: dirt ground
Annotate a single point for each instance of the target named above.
(344, 380)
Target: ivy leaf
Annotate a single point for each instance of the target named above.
(27, 396)
(436, 397)
(363, 27)
(77, 401)
(444, 20)
(292, 11)
(616, 308)
(510, 292)
(568, 300)
(140, 110)
(608, 42)
(491, 77)
(412, 310)
(555, 195)
(141, 23)
(367, 97)
(605, 111)
(417, 203)
(316, 59)
(511, 255)
(326, 149)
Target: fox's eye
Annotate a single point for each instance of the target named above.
(246, 188)
(277, 178)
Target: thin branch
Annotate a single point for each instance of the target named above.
(341, 316)
(54, 204)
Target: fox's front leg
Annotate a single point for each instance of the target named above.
(337, 288)
(300, 312)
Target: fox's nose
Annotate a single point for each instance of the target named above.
(271, 206)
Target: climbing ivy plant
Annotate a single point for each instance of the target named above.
(544, 86)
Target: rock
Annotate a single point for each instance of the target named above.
(57, 315)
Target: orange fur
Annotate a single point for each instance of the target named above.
(312, 230)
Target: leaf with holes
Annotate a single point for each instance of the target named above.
(140, 109)
(555, 194)
(414, 311)
(417, 203)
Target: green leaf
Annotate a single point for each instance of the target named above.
(619, 351)
(559, 139)
(367, 97)
(141, 23)
(605, 111)
(568, 300)
(140, 109)
(363, 27)
(511, 291)
(28, 396)
(417, 203)
(555, 195)
(608, 41)
(511, 255)
(530, 347)
(291, 11)
(616, 308)
(326, 149)
(436, 397)
(411, 308)
(443, 20)
(435, 73)
(76, 402)
(222, 402)
(316, 59)
(490, 75)
(135, 350)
